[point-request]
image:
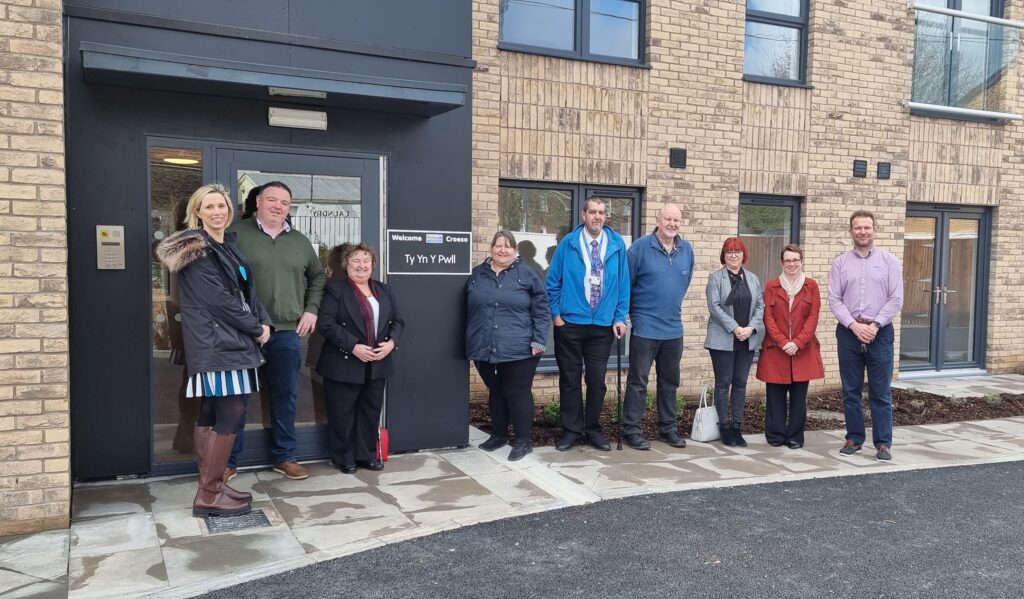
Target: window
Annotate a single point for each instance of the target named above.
(775, 42)
(604, 30)
(767, 224)
(961, 62)
(541, 214)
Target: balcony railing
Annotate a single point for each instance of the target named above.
(964, 64)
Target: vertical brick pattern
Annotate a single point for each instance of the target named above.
(35, 488)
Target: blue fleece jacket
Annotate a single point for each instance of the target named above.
(565, 282)
(659, 280)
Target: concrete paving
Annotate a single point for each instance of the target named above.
(964, 386)
(138, 539)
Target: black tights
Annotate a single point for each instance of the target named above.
(222, 413)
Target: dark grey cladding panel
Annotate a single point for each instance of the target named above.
(135, 67)
(431, 30)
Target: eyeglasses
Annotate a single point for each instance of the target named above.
(793, 261)
(734, 253)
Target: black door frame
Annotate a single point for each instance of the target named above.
(940, 273)
(221, 163)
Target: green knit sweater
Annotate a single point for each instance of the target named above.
(289, 277)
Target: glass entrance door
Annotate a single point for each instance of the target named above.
(335, 199)
(943, 317)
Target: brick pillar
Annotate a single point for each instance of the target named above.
(35, 485)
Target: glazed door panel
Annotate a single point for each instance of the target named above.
(335, 199)
(943, 315)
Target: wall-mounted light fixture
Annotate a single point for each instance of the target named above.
(295, 93)
(297, 119)
(181, 161)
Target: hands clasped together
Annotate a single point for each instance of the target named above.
(743, 333)
(865, 332)
(373, 354)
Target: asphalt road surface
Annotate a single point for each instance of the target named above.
(948, 532)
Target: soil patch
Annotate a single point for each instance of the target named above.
(825, 412)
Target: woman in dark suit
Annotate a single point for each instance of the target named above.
(791, 355)
(223, 323)
(735, 330)
(361, 326)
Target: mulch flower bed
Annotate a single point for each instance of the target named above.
(909, 407)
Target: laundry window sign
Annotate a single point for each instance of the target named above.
(429, 252)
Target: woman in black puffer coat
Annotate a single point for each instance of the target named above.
(506, 331)
(223, 324)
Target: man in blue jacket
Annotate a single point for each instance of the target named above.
(660, 268)
(588, 288)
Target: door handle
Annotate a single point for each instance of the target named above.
(945, 294)
(938, 294)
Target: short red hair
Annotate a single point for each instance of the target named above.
(733, 244)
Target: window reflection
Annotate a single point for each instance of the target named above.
(615, 28)
(174, 174)
(541, 23)
(766, 229)
(327, 210)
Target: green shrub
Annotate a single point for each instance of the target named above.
(550, 414)
(649, 400)
(680, 406)
(993, 399)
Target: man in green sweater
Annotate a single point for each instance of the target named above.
(289, 282)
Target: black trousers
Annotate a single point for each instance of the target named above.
(353, 416)
(780, 427)
(579, 349)
(731, 371)
(509, 395)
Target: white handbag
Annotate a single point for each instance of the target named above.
(705, 419)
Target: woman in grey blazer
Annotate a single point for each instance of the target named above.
(735, 331)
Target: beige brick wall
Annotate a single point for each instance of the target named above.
(35, 486)
(577, 121)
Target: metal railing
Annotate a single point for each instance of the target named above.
(964, 64)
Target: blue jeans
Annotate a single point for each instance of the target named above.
(283, 353)
(876, 358)
(665, 355)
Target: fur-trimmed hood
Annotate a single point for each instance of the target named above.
(181, 249)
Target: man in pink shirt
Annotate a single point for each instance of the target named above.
(865, 292)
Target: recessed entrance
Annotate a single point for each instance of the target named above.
(335, 199)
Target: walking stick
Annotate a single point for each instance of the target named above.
(618, 399)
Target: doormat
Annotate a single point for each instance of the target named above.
(218, 524)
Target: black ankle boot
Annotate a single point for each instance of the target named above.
(737, 436)
(726, 431)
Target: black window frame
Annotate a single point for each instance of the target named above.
(581, 39)
(800, 23)
(579, 193)
(794, 203)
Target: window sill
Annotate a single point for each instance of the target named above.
(773, 81)
(623, 62)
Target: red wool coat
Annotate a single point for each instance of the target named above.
(774, 366)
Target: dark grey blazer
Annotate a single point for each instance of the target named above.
(721, 321)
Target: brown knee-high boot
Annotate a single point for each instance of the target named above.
(200, 436)
(211, 500)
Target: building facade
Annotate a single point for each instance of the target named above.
(771, 119)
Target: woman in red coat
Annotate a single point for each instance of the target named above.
(791, 355)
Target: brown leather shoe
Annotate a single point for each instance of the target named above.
(230, 473)
(292, 470)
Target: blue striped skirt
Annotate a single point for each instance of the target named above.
(221, 384)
